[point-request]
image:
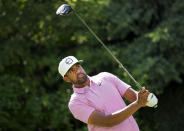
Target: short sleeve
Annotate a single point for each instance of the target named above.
(120, 85)
(80, 110)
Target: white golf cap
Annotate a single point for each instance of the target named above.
(66, 63)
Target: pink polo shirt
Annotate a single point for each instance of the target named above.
(105, 95)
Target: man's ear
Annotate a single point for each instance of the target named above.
(66, 79)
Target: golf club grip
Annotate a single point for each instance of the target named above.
(107, 49)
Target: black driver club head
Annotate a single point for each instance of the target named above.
(64, 9)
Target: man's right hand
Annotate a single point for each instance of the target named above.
(142, 97)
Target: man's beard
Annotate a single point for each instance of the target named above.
(81, 78)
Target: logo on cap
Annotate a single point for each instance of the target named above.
(68, 61)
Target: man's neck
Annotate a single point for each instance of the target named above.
(87, 83)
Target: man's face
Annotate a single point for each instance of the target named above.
(76, 75)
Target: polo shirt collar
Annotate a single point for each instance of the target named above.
(83, 89)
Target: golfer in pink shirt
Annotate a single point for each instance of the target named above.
(97, 100)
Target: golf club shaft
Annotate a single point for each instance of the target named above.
(107, 49)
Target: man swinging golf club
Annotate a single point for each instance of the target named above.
(97, 100)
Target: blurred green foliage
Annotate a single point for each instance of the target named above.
(147, 37)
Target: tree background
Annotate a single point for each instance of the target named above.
(146, 35)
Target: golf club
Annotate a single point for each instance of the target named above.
(65, 9)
